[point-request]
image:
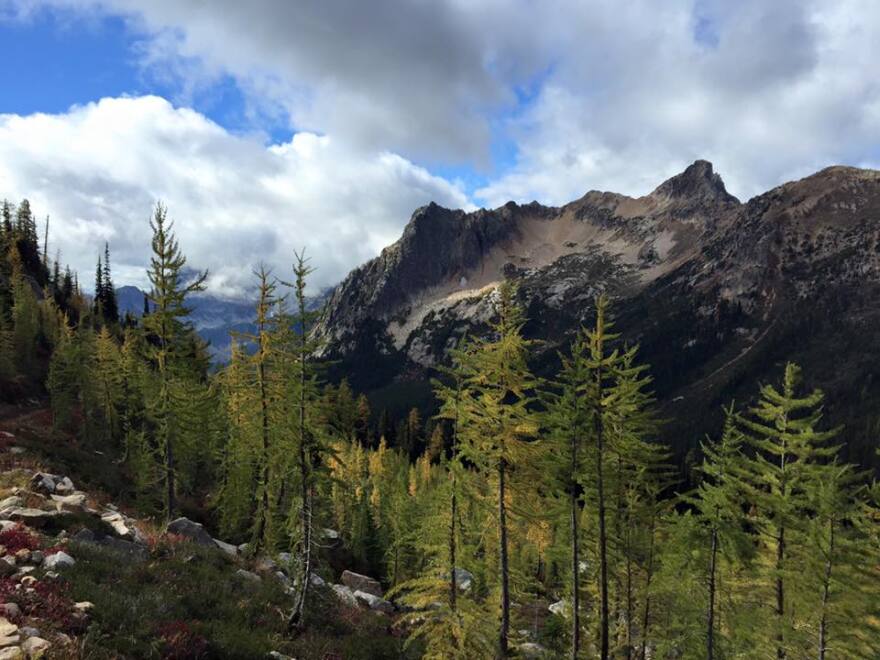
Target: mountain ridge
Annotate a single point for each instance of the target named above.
(707, 284)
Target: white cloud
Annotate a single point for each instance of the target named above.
(99, 169)
(774, 91)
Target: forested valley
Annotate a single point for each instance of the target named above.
(524, 516)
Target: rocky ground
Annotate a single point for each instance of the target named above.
(81, 577)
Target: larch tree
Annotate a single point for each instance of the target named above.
(790, 455)
(498, 390)
(166, 324)
(311, 447)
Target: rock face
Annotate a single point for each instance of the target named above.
(718, 293)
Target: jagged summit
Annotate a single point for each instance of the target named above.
(698, 181)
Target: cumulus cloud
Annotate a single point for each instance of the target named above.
(98, 170)
(584, 95)
(767, 91)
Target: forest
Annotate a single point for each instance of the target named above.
(516, 489)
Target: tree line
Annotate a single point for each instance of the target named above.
(521, 492)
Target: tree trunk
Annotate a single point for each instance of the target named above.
(575, 552)
(603, 558)
(505, 583)
(710, 616)
(780, 592)
(305, 478)
(826, 589)
(646, 613)
(260, 529)
(453, 587)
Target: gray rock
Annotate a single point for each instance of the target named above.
(228, 548)
(64, 486)
(33, 517)
(136, 551)
(37, 557)
(29, 631)
(316, 580)
(374, 602)
(43, 482)
(35, 647)
(191, 530)
(7, 566)
(358, 582)
(265, 565)
(58, 560)
(247, 576)
(345, 594)
(11, 610)
(463, 579)
(10, 502)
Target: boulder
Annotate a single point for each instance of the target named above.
(11, 653)
(11, 610)
(11, 502)
(345, 594)
(374, 602)
(316, 580)
(64, 486)
(58, 560)
(247, 576)
(43, 482)
(358, 582)
(136, 551)
(191, 530)
(35, 647)
(463, 579)
(33, 517)
(7, 566)
(265, 565)
(228, 548)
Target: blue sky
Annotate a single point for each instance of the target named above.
(270, 125)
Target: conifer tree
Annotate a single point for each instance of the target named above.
(790, 456)
(309, 440)
(166, 323)
(497, 392)
(719, 499)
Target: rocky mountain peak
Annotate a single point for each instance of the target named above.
(698, 182)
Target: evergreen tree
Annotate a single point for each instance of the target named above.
(790, 457)
(166, 324)
(497, 423)
(309, 440)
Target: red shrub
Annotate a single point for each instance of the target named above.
(18, 538)
(45, 600)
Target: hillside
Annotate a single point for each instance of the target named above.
(719, 293)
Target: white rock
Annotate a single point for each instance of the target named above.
(11, 653)
(58, 560)
(374, 602)
(35, 647)
(345, 594)
(11, 501)
(330, 534)
(7, 628)
(64, 486)
(559, 608)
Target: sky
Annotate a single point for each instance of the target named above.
(269, 126)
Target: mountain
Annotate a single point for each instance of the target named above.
(718, 293)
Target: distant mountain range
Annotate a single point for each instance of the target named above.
(718, 293)
(213, 317)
